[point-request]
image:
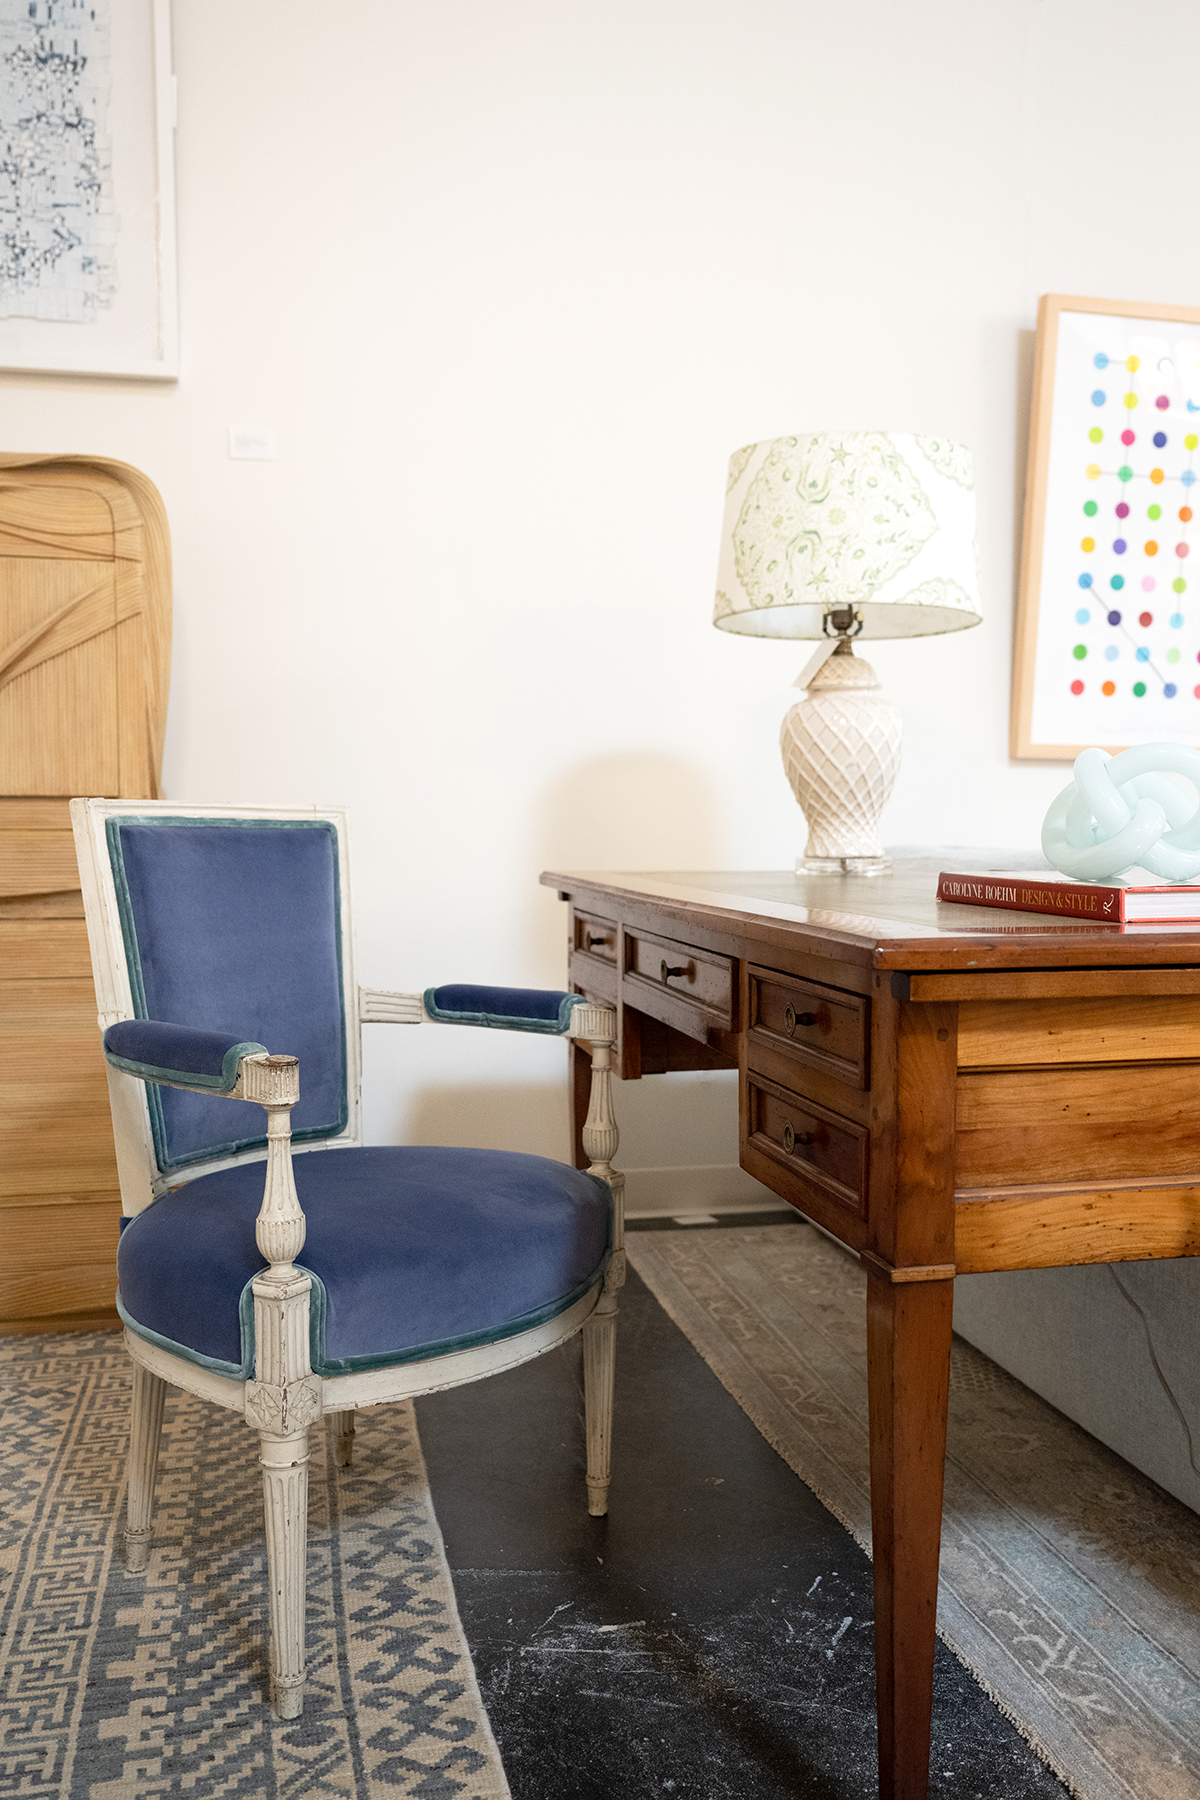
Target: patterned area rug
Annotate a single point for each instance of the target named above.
(120, 1688)
(1070, 1583)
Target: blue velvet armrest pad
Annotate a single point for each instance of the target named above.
(507, 1009)
(156, 1051)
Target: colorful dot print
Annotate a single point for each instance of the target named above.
(1136, 538)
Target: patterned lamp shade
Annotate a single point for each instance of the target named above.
(877, 521)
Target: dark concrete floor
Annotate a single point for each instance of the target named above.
(712, 1636)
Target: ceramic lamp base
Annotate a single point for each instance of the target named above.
(841, 752)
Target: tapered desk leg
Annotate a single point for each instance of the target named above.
(908, 1351)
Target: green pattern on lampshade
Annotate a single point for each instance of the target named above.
(882, 522)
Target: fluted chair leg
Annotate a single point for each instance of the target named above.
(599, 1367)
(285, 1501)
(145, 1430)
(343, 1438)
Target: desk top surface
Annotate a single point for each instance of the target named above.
(893, 920)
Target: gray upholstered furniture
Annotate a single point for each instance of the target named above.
(1115, 1346)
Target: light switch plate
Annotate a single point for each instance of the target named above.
(251, 443)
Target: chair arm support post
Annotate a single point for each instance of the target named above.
(284, 1397)
(597, 1025)
(274, 1082)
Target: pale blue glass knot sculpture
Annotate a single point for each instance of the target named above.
(1121, 812)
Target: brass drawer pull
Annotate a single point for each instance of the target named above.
(791, 1018)
(792, 1138)
(591, 942)
(667, 971)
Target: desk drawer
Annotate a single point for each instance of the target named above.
(657, 966)
(595, 937)
(824, 1027)
(824, 1150)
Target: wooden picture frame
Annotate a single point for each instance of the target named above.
(1108, 613)
(90, 287)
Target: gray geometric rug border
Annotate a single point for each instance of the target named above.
(121, 1688)
(1070, 1584)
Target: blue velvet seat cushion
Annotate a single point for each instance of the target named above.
(507, 1009)
(156, 1051)
(414, 1252)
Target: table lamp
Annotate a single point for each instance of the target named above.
(838, 535)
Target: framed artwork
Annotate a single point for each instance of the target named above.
(1108, 619)
(87, 188)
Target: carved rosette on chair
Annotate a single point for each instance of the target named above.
(837, 536)
(292, 1289)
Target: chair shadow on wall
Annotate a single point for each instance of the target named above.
(504, 1116)
(635, 810)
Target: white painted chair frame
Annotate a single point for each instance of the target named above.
(284, 1399)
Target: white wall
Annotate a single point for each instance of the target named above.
(510, 279)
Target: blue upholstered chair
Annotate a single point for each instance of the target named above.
(285, 1271)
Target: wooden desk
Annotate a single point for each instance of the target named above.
(947, 1089)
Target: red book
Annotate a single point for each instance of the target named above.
(1088, 901)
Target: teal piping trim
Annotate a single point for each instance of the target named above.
(224, 1083)
(133, 963)
(214, 1363)
(504, 1021)
(350, 1365)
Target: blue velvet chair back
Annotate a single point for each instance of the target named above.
(235, 925)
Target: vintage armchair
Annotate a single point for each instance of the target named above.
(223, 961)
